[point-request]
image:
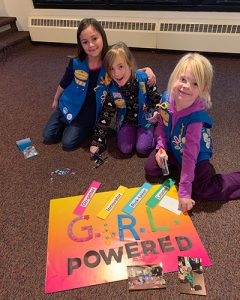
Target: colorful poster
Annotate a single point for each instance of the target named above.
(86, 250)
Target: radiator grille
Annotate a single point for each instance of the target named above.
(128, 25)
(145, 26)
(207, 28)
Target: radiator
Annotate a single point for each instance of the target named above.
(171, 34)
(198, 35)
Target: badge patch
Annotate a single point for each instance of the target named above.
(80, 74)
(165, 117)
(120, 103)
(143, 87)
(117, 95)
(79, 82)
(65, 110)
(105, 80)
(69, 117)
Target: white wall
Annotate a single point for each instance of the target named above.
(2, 8)
(22, 9)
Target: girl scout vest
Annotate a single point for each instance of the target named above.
(177, 136)
(143, 101)
(73, 97)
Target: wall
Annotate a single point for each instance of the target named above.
(22, 9)
(2, 8)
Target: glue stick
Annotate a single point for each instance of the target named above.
(165, 170)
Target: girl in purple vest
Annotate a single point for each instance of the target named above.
(82, 90)
(134, 101)
(183, 135)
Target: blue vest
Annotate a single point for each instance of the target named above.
(143, 101)
(73, 96)
(176, 139)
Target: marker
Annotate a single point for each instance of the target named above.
(165, 169)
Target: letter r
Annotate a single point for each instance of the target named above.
(130, 226)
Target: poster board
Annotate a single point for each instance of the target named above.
(88, 250)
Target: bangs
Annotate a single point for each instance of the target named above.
(198, 72)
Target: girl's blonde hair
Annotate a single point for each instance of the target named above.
(202, 70)
(122, 50)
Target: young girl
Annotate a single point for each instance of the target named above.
(183, 135)
(82, 90)
(129, 95)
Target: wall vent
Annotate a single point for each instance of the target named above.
(199, 35)
(134, 32)
(209, 28)
(54, 22)
(148, 26)
(173, 34)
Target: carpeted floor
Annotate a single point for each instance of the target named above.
(28, 80)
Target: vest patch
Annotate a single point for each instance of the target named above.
(69, 116)
(143, 87)
(103, 97)
(80, 82)
(105, 80)
(206, 137)
(117, 95)
(120, 103)
(178, 143)
(65, 110)
(165, 117)
(80, 74)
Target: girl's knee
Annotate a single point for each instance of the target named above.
(143, 150)
(69, 144)
(145, 147)
(150, 170)
(49, 139)
(126, 149)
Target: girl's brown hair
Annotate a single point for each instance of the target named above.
(122, 50)
(98, 27)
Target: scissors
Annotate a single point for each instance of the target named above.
(99, 160)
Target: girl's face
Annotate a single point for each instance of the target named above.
(120, 71)
(185, 90)
(91, 41)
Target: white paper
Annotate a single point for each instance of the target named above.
(170, 204)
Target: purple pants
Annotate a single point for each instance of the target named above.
(206, 184)
(130, 137)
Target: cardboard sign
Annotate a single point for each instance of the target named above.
(87, 250)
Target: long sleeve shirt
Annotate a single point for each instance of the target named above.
(130, 93)
(191, 147)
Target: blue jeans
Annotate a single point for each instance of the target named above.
(57, 129)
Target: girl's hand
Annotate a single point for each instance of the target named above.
(55, 104)
(185, 204)
(151, 76)
(163, 153)
(94, 149)
(154, 118)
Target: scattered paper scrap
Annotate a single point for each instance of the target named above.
(61, 172)
(27, 148)
(170, 204)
